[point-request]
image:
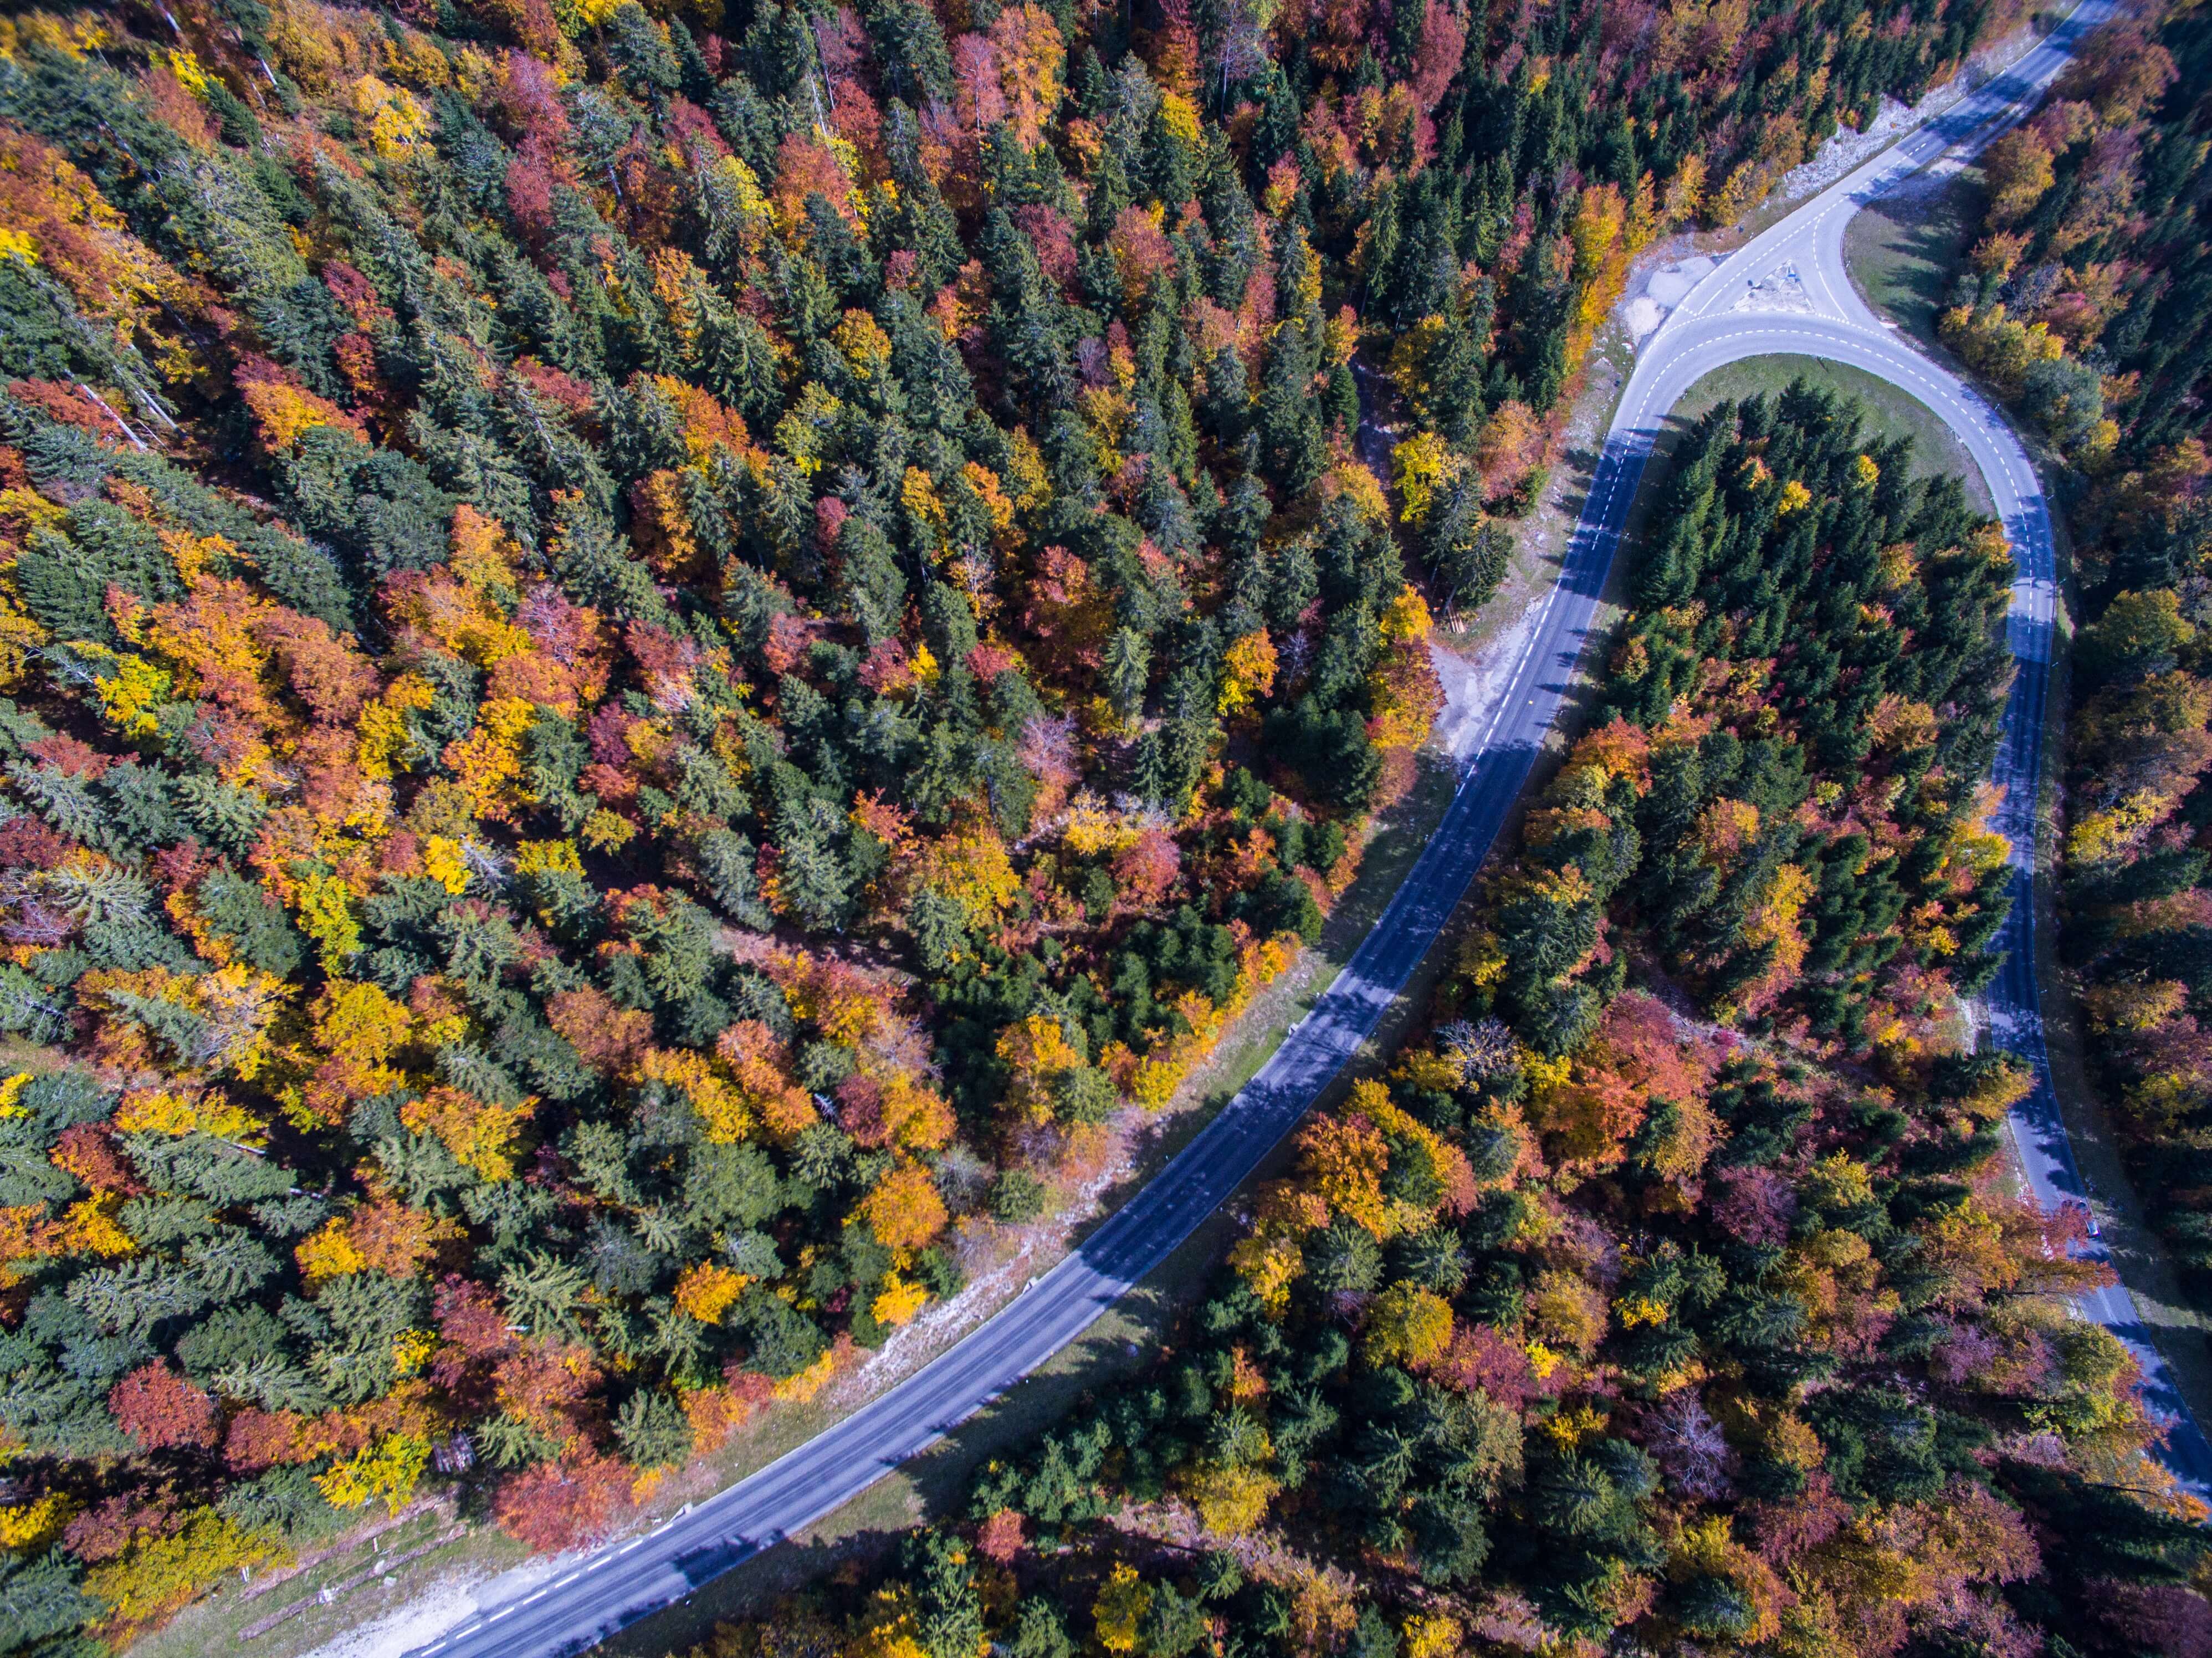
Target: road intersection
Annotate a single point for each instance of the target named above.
(1721, 320)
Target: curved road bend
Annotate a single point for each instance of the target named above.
(2046, 1157)
(617, 1586)
(1788, 292)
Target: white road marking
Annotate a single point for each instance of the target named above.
(1327, 1038)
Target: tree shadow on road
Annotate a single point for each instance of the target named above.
(1908, 245)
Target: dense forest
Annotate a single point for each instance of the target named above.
(1667, 1293)
(651, 659)
(2088, 299)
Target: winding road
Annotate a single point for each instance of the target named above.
(1785, 292)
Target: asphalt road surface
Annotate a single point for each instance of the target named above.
(1788, 292)
(606, 1591)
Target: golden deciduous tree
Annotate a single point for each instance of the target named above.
(1407, 1325)
(904, 1210)
(2017, 170)
(1038, 1055)
(1342, 1160)
(1121, 1603)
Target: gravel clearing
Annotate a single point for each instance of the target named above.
(1474, 684)
(1847, 148)
(451, 1599)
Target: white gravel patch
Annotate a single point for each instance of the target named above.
(1846, 148)
(444, 1603)
(1664, 288)
(1474, 685)
(1780, 289)
(1640, 316)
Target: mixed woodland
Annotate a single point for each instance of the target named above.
(656, 662)
(1667, 1292)
(2088, 285)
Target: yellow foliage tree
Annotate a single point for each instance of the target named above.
(1344, 1161)
(397, 120)
(1247, 672)
(388, 1470)
(1406, 622)
(1232, 1502)
(1434, 1635)
(1407, 1325)
(898, 1300)
(971, 867)
(1419, 464)
(727, 1115)
(709, 1290)
(2017, 169)
(157, 1575)
(1122, 1602)
(904, 1210)
(1037, 1051)
(488, 760)
(479, 1134)
(1268, 1265)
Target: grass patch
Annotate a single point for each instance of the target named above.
(370, 1579)
(1904, 250)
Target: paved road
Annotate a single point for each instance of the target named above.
(614, 1587)
(1788, 291)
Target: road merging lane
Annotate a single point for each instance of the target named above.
(619, 1585)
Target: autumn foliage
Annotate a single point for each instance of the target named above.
(652, 660)
(1667, 1291)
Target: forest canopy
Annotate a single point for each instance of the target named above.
(651, 657)
(1667, 1291)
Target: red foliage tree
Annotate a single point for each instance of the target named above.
(470, 1318)
(158, 1408)
(976, 94)
(1146, 868)
(608, 1038)
(563, 1504)
(89, 1152)
(1481, 1360)
(1437, 60)
(1000, 1537)
(546, 1386)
